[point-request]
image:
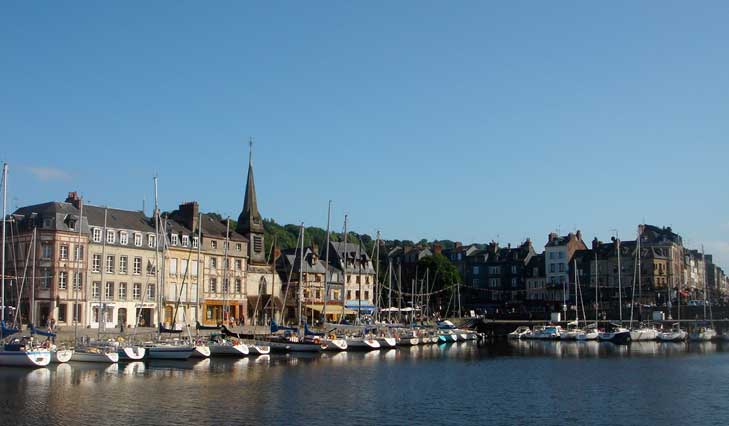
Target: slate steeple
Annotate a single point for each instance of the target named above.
(250, 222)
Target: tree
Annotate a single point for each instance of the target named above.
(443, 273)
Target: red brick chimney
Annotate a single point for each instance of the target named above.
(74, 199)
(189, 213)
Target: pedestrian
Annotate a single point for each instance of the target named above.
(121, 327)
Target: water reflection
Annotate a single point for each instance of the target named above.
(594, 349)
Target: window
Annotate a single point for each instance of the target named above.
(79, 252)
(150, 291)
(514, 282)
(137, 239)
(238, 264)
(109, 290)
(151, 268)
(62, 280)
(95, 289)
(475, 270)
(213, 244)
(110, 236)
(185, 241)
(173, 267)
(96, 235)
(137, 265)
(123, 238)
(96, 263)
(493, 282)
(76, 312)
(225, 285)
(137, 291)
(63, 252)
(152, 240)
(238, 287)
(62, 310)
(552, 268)
(561, 267)
(45, 278)
(475, 282)
(238, 246)
(513, 269)
(122, 291)
(183, 268)
(356, 295)
(193, 265)
(561, 254)
(123, 264)
(195, 242)
(77, 281)
(46, 251)
(173, 239)
(213, 263)
(359, 279)
(213, 285)
(227, 263)
(225, 245)
(367, 295)
(109, 264)
(349, 294)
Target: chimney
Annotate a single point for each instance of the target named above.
(74, 199)
(189, 213)
(595, 244)
(579, 235)
(437, 248)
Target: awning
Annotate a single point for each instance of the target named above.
(361, 305)
(331, 309)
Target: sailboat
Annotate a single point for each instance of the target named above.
(616, 333)
(644, 331)
(705, 332)
(21, 352)
(163, 349)
(675, 334)
(591, 330)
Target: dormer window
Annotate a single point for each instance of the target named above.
(213, 244)
(137, 239)
(110, 236)
(173, 239)
(195, 242)
(96, 235)
(123, 238)
(71, 224)
(185, 241)
(152, 240)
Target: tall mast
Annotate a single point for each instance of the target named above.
(389, 289)
(226, 281)
(158, 270)
(344, 264)
(199, 268)
(376, 287)
(620, 285)
(597, 287)
(301, 272)
(32, 279)
(703, 261)
(326, 269)
(577, 313)
(76, 289)
(102, 287)
(5, 196)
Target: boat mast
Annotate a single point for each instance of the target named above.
(226, 280)
(326, 269)
(102, 289)
(620, 285)
(344, 268)
(32, 278)
(389, 289)
(5, 195)
(597, 289)
(577, 312)
(703, 261)
(77, 288)
(158, 270)
(301, 273)
(377, 286)
(199, 267)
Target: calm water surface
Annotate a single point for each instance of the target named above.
(546, 383)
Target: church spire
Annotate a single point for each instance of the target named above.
(249, 220)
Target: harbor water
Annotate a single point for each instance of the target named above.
(522, 382)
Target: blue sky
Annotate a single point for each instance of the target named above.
(470, 121)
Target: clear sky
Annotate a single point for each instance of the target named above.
(469, 120)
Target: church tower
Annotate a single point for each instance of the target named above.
(250, 223)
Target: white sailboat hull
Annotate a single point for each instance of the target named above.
(672, 336)
(335, 345)
(228, 350)
(201, 352)
(362, 344)
(643, 334)
(259, 349)
(61, 356)
(585, 336)
(407, 341)
(25, 358)
(103, 357)
(132, 353)
(388, 342)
